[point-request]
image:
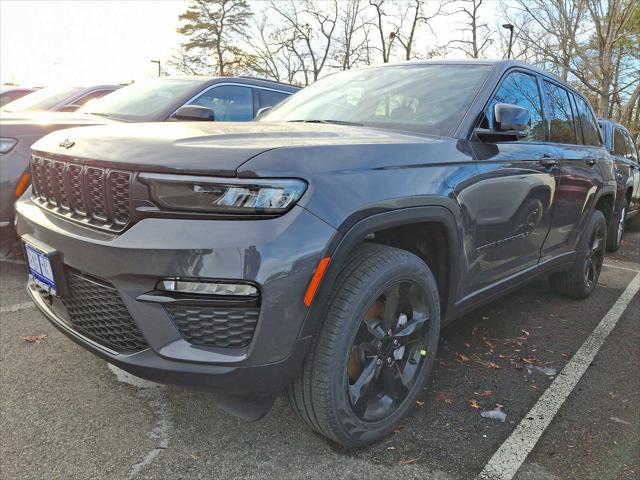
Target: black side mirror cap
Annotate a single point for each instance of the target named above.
(511, 117)
(511, 124)
(194, 113)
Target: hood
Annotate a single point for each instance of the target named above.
(202, 147)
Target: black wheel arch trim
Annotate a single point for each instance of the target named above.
(351, 233)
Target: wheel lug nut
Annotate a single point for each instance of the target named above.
(378, 362)
(390, 332)
(389, 360)
(396, 343)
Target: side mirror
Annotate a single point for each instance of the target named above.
(511, 124)
(194, 113)
(262, 112)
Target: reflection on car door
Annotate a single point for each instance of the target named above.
(632, 159)
(574, 131)
(513, 201)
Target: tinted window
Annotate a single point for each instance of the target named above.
(561, 125)
(632, 153)
(428, 98)
(619, 143)
(587, 122)
(519, 89)
(230, 103)
(269, 98)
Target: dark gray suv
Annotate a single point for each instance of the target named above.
(318, 251)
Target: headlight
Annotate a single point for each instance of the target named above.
(6, 144)
(224, 195)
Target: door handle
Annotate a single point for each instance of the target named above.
(590, 161)
(548, 162)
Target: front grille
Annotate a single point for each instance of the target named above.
(214, 326)
(96, 196)
(96, 311)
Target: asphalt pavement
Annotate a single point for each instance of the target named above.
(65, 414)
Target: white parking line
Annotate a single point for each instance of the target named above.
(514, 451)
(621, 268)
(17, 307)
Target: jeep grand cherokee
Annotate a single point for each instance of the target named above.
(318, 251)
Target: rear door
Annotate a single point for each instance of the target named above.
(513, 201)
(574, 132)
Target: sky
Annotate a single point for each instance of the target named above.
(85, 42)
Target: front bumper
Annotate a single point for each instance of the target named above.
(278, 255)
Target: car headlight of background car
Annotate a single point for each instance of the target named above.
(224, 195)
(6, 144)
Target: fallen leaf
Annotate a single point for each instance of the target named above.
(390, 448)
(530, 361)
(489, 344)
(485, 318)
(474, 403)
(565, 355)
(419, 403)
(525, 332)
(446, 397)
(468, 345)
(485, 393)
(34, 338)
(462, 358)
(487, 363)
(408, 461)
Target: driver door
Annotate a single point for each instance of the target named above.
(513, 201)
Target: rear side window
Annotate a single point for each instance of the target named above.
(520, 89)
(632, 153)
(587, 122)
(269, 98)
(230, 103)
(619, 143)
(91, 96)
(562, 128)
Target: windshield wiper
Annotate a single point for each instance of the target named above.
(334, 122)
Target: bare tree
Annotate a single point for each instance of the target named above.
(352, 39)
(477, 34)
(381, 25)
(414, 15)
(308, 32)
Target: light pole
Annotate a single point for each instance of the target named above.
(158, 62)
(509, 27)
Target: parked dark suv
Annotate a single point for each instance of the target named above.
(318, 251)
(627, 171)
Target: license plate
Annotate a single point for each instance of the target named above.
(40, 268)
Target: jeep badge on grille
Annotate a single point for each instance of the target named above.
(67, 144)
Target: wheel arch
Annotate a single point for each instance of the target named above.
(362, 230)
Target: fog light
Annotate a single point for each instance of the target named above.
(209, 288)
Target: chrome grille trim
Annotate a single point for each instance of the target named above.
(92, 195)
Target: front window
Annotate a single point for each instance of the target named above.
(40, 100)
(140, 100)
(230, 103)
(426, 98)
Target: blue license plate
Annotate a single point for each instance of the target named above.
(40, 270)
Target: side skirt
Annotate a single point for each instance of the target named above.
(509, 284)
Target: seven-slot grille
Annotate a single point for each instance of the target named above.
(94, 195)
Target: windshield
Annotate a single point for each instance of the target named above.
(43, 99)
(427, 98)
(141, 99)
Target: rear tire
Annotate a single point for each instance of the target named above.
(348, 389)
(616, 228)
(581, 279)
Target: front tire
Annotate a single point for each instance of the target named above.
(581, 279)
(375, 348)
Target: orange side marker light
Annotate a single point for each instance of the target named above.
(315, 280)
(23, 183)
